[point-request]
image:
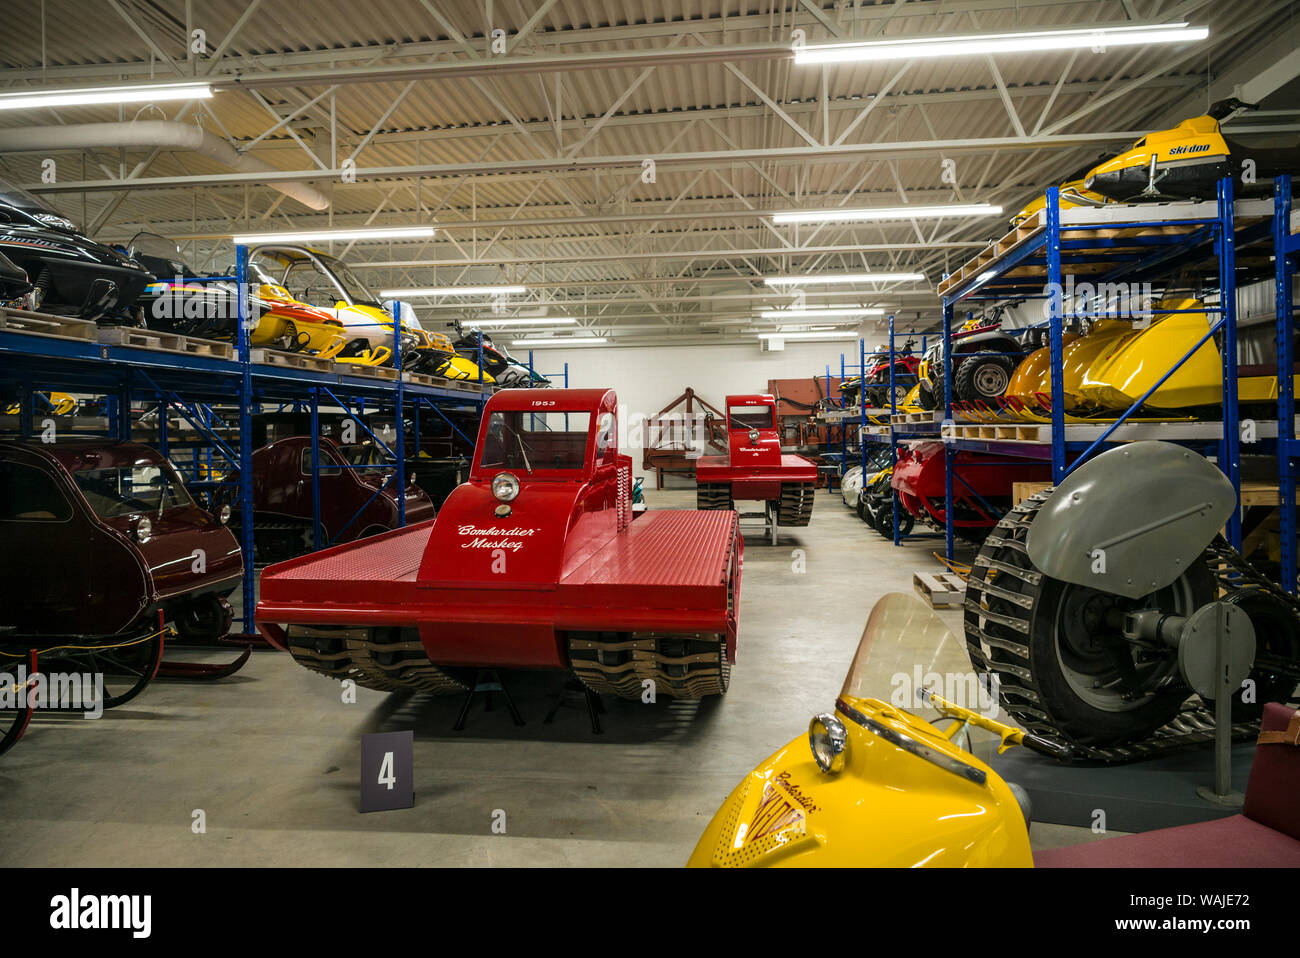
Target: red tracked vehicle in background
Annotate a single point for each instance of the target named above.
(755, 469)
(533, 563)
(982, 487)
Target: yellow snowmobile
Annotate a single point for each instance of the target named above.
(1072, 193)
(874, 785)
(1187, 161)
(51, 403)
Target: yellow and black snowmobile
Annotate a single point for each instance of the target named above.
(1187, 161)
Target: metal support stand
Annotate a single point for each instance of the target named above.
(768, 515)
(573, 687)
(1228, 686)
(487, 681)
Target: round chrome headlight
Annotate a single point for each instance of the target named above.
(143, 529)
(223, 514)
(828, 741)
(753, 435)
(505, 486)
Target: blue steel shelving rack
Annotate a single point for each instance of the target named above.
(1215, 235)
(192, 385)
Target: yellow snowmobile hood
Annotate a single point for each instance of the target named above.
(1191, 144)
(1133, 362)
(1078, 357)
(1034, 373)
(887, 807)
(460, 368)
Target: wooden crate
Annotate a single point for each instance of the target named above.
(1021, 491)
(942, 590)
(44, 324)
(154, 341)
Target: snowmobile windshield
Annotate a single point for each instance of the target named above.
(750, 417)
(355, 290)
(554, 440)
(130, 490)
(896, 617)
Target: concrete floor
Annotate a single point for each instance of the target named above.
(271, 755)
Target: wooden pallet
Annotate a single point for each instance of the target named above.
(154, 341)
(908, 418)
(1020, 491)
(942, 590)
(1016, 432)
(370, 372)
(278, 357)
(45, 324)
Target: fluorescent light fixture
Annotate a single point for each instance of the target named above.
(321, 236)
(1097, 38)
(886, 213)
(454, 291)
(815, 279)
(560, 341)
(550, 321)
(817, 313)
(149, 93)
(817, 334)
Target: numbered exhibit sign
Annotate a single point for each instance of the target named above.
(387, 763)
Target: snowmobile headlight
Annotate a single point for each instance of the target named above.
(753, 435)
(143, 529)
(828, 740)
(505, 486)
(223, 514)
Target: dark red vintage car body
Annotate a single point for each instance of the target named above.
(70, 571)
(282, 487)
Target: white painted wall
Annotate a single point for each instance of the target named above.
(647, 378)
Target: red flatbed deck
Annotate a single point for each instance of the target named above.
(792, 469)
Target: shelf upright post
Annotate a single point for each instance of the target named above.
(1285, 379)
(1055, 324)
(248, 594)
(399, 414)
(946, 372)
(1229, 445)
(862, 404)
(316, 543)
(893, 436)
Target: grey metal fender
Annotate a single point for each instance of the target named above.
(1131, 520)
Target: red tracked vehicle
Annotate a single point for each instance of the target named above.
(533, 563)
(755, 469)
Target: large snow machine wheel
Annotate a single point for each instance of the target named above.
(1062, 666)
(14, 721)
(713, 495)
(982, 377)
(633, 664)
(388, 659)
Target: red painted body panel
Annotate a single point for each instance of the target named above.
(919, 481)
(491, 590)
(754, 466)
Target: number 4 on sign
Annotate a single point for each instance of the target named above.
(387, 765)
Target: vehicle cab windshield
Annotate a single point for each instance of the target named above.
(131, 490)
(550, 441)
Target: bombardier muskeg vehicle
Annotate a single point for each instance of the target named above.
(534, 563)
(754, 467)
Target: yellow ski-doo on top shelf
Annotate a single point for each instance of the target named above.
(874, 785)
(1187, 161)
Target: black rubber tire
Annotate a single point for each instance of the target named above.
(925, 397)
(973, 377)
(885, 521)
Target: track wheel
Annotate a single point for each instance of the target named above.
(1056, 649)
(204, 619)
(14, 721)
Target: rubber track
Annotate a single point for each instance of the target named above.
(685, 666)
(997, 644)
(713, 495)
(387, 659)
(796, 504)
